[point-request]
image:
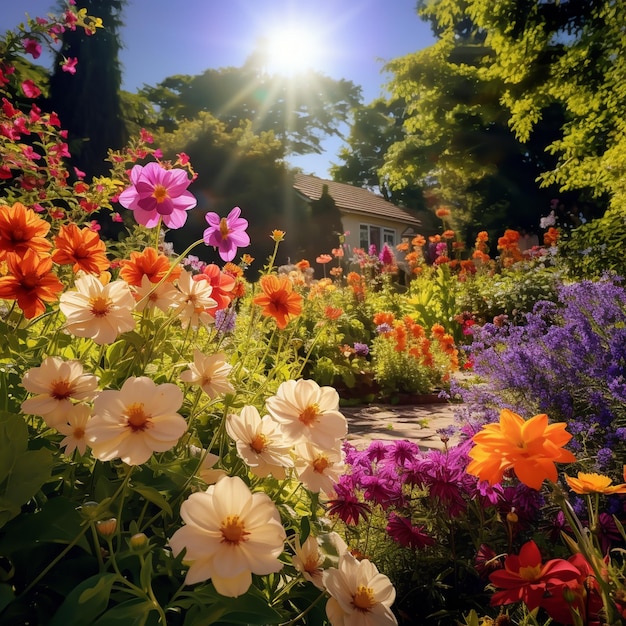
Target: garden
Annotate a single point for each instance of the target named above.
(172, 442)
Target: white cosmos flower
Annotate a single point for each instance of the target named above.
(317, 469)
(194, 301)
(260, 442)
(309, 560)
(136, 421)
(229, 534)
(56, 383)
(98, 311)
(206, 471)
(360, 595)
(163, 296)
(210, 372)
(75, 429)
(307, 411)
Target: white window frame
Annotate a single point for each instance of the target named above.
(385, 236)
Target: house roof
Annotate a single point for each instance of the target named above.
(351, 199)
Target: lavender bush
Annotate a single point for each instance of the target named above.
(566, 359)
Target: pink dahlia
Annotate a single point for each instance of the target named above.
(227, 233)
(158, 193)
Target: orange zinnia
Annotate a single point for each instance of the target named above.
(531, 448)
(83, 249)
(593, 483)
(22, 229)
(278, 299)
(147, 263)
(31, 283)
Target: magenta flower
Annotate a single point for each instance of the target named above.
(158, 193)
(69, 65)
(227, 233)
(401, 529)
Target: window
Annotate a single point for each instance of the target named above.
(377, 236)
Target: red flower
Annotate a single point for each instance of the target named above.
(222, 283)
(525, 578)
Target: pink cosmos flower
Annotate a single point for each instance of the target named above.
(158, 193)
(30, 89)
(227, 233)
(69, 65)
(32, 47)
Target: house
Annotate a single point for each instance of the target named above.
(366, 216)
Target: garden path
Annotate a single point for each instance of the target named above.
(415, 422)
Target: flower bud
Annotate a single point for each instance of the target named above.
(106, 528)
(138, 542)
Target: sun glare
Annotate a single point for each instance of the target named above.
(291, 49)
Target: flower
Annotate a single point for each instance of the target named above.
(148, 263)
(531, 448)
(259, 442)
(277, 235)
(360, 595)
(593, 483)
(100, 312)
(401, 530)
(222, 283)
(83, 249)
(156, 193)
(163, 296)
(195, 301)
(22, 229)
(307, 411)
(74, 429)
(210, 372)
(69, 65)
(227, 233)
(230, 533)
(136, 421)
(30, 282)
(318, 469)
(278, 299)
(525, 578)
(308, 561)
(56, 383)
(322, 259)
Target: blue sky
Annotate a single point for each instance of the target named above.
(166, 37)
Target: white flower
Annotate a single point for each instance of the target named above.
(317, 469)
(163, 296)
(205, 470)
(259, 442)
(195, 300)
(75, 429)
(360, 595)
(307, 411)
(230, 534)
(136, 421)
(56, 383)
(98, 311)
(309, 560)
(210, 372)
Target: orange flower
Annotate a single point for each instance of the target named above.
(278, 299)
(593, 483)
(233, 270)
(531, 448)
(22, 229)
(303, 265)
(83, 249)
(448, 234)
(442, 212)
(403, 247)
(323, 259)
(418, 241)
(333, 312)
(551, 236)
(278, 235)
(147, 263)
(30, 282)
(384, 317)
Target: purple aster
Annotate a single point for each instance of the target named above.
(227, 233)
(156, 193)
(361, 349)
(402, 531)
(225, 320)
(403, 451)
(347, 506)
(381, 329)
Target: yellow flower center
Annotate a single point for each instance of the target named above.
(224, 230)
(100, 305)
(320, 464)
(61, 389)
(233, 530)
(160, 193)
(363, 600)
(136, 417)
(309, 415)
(258, 443)
(530, 572)
(79, 432)
(311, 565)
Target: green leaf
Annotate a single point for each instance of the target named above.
(83, 605)
(130, 613)
(305, 529)
(152, 495)
(7, 595)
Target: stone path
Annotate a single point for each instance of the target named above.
(418, 423)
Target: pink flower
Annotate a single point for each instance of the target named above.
(158, 193)
(32, 47)
(227, 234)
(69, 65)
(30, 89)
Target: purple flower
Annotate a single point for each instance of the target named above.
(361, 349)
(227, 233)
(225, 320)
(157, 193)
(402, 531)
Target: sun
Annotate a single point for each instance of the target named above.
(291, 49)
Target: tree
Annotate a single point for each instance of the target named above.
(325, 226)
(89, 102)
